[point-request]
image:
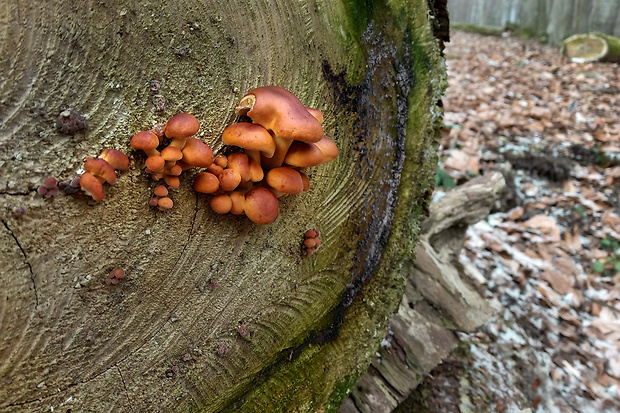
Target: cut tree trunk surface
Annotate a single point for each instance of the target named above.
(166, 337)
(593, 47)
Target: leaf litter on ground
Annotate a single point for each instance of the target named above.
(549, 253)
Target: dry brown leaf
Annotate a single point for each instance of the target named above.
(545, 224)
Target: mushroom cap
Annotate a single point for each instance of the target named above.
(261, 206)
(317, 114)
(164, 203)
(284, 179)
(197, 153)
(280, 111)
(50, 182)
(221, 204)
(101, 168)
(116, 159)
(91, 185)
(160, 190)
(172, 181)
(311, 242)
(171, 153)
(155, 163)
(311, 233)
(206, 183)
(238, 202)
(181, 125)
(221, 161)
(240, 163)
(144, 140)
(229, 179)
(175, 170)
(215, 169)
(303, 155)
(328, 147)
(249, 136)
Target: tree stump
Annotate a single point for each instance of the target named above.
(592, 47)
(215, 313)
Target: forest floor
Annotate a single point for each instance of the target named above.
(548, 255)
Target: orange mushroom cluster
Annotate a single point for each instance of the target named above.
(311, 241)
(115, 276)
(183, 152)
(101, 170)
(284, 137)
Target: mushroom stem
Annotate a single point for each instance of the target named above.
(253, 154)
(277, 159)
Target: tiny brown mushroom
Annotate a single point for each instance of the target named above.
(155, 163)
(303, 155)
(116, 159)
(249, 136)
(160, 191)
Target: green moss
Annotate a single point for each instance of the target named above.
(359, 13)
(341, 390)
(472, 28)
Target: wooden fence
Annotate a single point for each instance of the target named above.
(552, 19)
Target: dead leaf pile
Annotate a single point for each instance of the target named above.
(555, 343)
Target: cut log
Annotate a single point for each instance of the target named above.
(214, 313)
(593, 47)
(439, 300)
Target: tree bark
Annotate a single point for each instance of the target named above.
(166, 337)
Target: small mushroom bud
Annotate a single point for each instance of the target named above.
(206, 183)
(160, 191)
(229, 179)
(221, 204)
(286, 180)
(240, 163)
(221, 161)
(155, 163)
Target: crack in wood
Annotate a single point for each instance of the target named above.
(124, 386)
(130, 353)
(34, 284)
(16, 193)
